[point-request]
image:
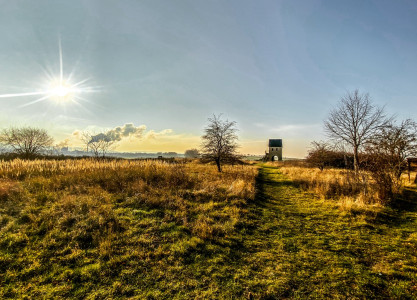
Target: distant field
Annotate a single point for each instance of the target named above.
(159, 230)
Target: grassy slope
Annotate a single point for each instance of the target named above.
(286, 244)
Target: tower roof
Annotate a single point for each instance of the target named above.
(275, 143)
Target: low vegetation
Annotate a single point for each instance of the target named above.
(100, 229)
(343, 184)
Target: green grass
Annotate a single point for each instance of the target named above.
(97, 243)
(303, 247)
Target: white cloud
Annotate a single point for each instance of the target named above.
(137, 138)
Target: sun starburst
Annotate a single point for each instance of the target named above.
(58, 88)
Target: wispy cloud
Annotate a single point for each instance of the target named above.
(288, 128)
(292, 128)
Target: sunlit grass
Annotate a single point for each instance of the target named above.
(113, 228)
(307, 247)
(342, 185)
(152, 229)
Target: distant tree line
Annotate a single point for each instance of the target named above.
(192, 153)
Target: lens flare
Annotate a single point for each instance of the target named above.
(58, 88)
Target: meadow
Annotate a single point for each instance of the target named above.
(105, 229)
(115, 228)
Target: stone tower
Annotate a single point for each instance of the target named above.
(274, 150)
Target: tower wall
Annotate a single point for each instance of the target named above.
(277, 151)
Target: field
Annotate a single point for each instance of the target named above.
(181, 230)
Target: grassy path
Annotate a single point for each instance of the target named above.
(297, 246)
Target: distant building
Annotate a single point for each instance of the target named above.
(274, 150)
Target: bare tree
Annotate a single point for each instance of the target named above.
(99, 144)
(387, 153)
(27, 141)
(191, 153)
(354, 122)
(219, 141)
(397, 142)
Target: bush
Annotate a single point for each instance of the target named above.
(322, 155)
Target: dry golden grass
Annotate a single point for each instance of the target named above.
(408, 182)
(340, 185)
(90, 182)
(58, 216)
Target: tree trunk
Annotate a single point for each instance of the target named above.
(355, 159)
(219, 167)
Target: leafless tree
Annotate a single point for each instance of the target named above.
(387, 153)
(191, 153)
(27, 141)
(99, 144)
(354, 122)
(398, 142)
(220, 141)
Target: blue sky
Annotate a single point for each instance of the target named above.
(275, 67)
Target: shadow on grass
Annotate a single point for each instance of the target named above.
(263, 204)
(406, 202)
(400, 211)
(260, 193)
(262, 181)
(257, 206)
(247, 228)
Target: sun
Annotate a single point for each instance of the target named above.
(60, 90)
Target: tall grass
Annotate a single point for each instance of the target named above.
(339, 184)
(65, 223)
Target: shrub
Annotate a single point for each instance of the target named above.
(322, 155)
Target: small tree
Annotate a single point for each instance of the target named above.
(398, 142)
(191, 153)
(387, 153)
(27, 141)
(355, 122)
(219, 141)
(98, 144)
